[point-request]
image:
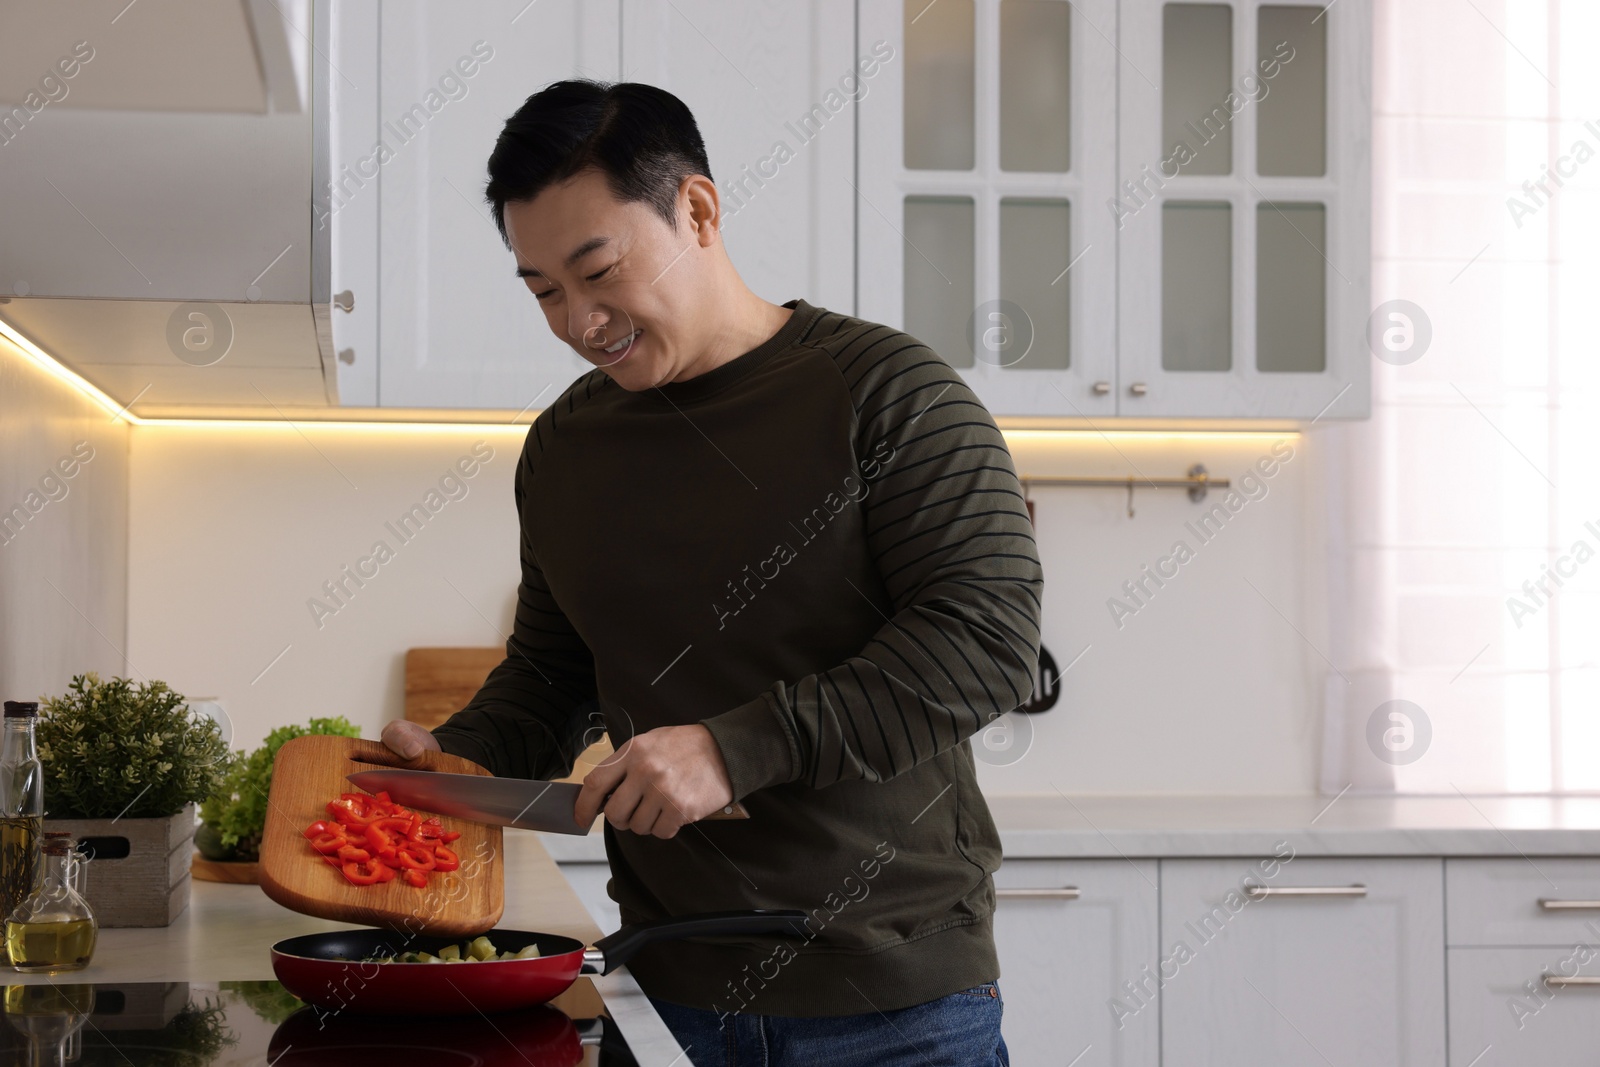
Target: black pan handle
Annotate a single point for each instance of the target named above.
(615, 950)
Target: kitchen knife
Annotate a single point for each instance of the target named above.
(523, 802)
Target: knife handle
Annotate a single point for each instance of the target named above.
(735, 810)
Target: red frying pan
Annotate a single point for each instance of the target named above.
(327, 969)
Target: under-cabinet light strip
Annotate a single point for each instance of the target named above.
(50, 365)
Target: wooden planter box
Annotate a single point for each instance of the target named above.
(139, 875)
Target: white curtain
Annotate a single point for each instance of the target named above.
(1462, 522)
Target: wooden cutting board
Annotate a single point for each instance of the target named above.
(310, 771)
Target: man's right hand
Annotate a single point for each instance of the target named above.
(407, 739)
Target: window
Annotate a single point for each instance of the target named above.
(1464, 528)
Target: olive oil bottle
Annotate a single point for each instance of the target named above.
(21, 805)
(53, 930)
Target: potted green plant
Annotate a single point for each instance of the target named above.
(125, 764)
(232, 819)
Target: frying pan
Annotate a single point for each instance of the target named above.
(327, 969)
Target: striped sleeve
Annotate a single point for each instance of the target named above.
(960, 592)
(529, 718)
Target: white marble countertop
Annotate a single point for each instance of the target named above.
(227, 932)
(1058, 826)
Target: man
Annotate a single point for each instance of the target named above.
(782, 553)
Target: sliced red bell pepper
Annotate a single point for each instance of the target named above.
(352, 854)
(329, 842)
(364, 873)
(416, 856)
(387, 829)
(371, 839)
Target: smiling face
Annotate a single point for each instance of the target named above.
(616, 283)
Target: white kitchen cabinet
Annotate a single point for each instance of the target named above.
(348, 204)
(1013, 139)
(457, 328)
(1515, 1006)
(1000, 178)
(451, 324)
(1548, 901)
(770, 84)
(1330, 974)
(1524, 960)
(987, 155)
(1072, 936)
(1242, 208)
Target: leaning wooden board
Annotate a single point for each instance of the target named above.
(309, 772)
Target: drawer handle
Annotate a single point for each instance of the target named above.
(1261, 892)
(1066, 892)
(1557, 981)
(1569, 905)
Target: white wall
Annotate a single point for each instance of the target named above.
(233, 532)
(1206, 687)
(63, 549)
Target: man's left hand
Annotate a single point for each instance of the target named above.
(657, 782)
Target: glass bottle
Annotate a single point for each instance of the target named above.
(54, 929)
(21, 805)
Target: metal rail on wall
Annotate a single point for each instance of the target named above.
(1198, 482)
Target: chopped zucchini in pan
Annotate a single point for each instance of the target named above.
(478, 950)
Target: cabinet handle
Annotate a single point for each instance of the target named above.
(1569, 905)
(1557, 981)
(345, 301)
(1066, 892)
(1101, 388)
(347, 355)
(1138, 389)
(1261, 892)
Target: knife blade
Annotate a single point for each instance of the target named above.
(522, 802)
(519, 802)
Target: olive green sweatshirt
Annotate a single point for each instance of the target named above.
(820, 551)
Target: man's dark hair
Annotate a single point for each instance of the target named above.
(643, 139)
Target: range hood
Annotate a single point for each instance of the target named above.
(165, 164)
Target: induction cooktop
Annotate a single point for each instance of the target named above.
(181, 1024)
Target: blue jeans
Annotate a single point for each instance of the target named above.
(959, 1030)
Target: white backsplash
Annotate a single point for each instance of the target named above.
(63, 533)
(1207, 684)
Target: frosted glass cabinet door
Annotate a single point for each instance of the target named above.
(1032, 234)
(939, 57)
(987, 154)
(457, 328)
(1242, 208)
(938, 274)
